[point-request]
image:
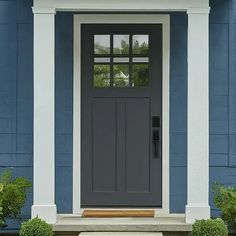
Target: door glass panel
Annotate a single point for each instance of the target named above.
(121, 75)
(140, 44)
(102, 44)
(141, 60)
(121, 60)
(140, 75)
(101, 75)
(121, 44)
(102, 59)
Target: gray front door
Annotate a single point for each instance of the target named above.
(121, 115)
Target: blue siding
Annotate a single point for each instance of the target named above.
(16, 91)
(16, 99)
(178, 110)
(64, 111)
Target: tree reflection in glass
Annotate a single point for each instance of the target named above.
(102, 44)
(101, 75)
(121, 75)
(140, 44)
(140, 75)
(121, 44)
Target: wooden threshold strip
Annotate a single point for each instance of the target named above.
(117, 213)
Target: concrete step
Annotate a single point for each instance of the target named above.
(121, 234)
(75, 224)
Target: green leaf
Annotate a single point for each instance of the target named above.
(1, 187)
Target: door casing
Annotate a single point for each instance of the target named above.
(164, 20)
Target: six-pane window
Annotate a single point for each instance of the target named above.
(121, 61)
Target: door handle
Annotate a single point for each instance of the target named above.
(155, 140)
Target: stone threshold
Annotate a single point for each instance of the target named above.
(120, 234)
(165, 223)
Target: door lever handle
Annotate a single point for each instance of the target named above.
(155, 140)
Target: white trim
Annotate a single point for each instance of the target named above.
(198, 117)
(122, 5)
(40, 10)
(205, 10)
(120, 19)
(46, 212)
(77, 119)
(44, 117)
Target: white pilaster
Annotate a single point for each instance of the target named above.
(198, 115)
(44, 115)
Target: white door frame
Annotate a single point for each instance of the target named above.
(164, 20)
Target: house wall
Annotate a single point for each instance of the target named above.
(16, 99)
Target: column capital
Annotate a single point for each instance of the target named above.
(195, 10)
(42, 10)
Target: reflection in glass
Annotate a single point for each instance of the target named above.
(140, 44)
(102, 60)
(121, 44)
(121, 59)
(102, 44)
(121, 75)
(140, 60)
(140, 75)
(101, 76)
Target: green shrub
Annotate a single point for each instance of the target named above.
(12, 196)
(225, 200)
(36, 227)
(1, 207)
(209, 228)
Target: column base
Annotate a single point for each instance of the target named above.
(45, 212)
(197, 212)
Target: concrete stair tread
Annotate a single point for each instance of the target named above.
(120, 234)
(76, 224)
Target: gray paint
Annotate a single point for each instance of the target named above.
(118, 163)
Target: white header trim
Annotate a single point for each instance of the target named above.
(39, 10)
(122, 5)
(120, 19)
(205, 10)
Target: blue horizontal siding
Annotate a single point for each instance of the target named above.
(16, 100)
(64, 111)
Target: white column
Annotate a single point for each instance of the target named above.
(198, 115)
(44, 115)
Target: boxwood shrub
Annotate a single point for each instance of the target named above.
(36, 227)
(210, 227)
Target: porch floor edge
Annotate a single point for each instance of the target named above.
(162, 223)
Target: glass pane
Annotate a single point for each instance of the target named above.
(140, 59)
(101, 76)
(140, 75)
(121, 75)
(121, 60)
(121, 44)
(102, 59)
(102, 44)
(140, 44)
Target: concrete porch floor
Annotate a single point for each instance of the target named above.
(172, 224)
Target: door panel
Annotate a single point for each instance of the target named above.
(104, 145)
(137, 143)
(121, 93)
